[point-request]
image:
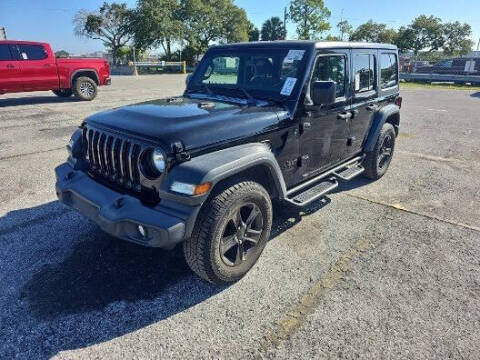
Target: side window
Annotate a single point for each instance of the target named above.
(331, 68)
(364, 72)
(32, 52)
(222, 70)
(388, 71)
(5, 53)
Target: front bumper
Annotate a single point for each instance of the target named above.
(119, 214)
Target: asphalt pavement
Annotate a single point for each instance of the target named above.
(385, 270)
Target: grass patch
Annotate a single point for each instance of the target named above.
(414, 85)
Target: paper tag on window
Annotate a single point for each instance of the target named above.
(357, 81)
(24, 56)
(288, 86)
(294, 55)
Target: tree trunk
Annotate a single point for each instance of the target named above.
(169, 49)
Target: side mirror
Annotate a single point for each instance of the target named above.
(323, 92)
(187, 80)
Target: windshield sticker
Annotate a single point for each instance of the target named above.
(288, 86)
(294, 55)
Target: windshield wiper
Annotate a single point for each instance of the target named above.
(250, 99)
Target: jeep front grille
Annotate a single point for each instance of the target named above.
(114, 158)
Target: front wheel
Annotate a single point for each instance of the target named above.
(377, 161)
(231, 233)
(85, 88)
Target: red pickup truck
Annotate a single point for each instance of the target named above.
(32, 66)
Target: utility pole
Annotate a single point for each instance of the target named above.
(135, 71)
(285, 15)
(478, 46)
(3, 33)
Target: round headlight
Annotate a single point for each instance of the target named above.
(158, 160)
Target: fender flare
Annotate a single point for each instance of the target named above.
(219, 165)
(84, 70)
(380, 119)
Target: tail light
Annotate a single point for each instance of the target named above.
(398, 101)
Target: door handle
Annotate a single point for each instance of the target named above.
(46, 65)
(344, 116)
(372, 107)
(10, 66)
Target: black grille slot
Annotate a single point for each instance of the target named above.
(114, 158)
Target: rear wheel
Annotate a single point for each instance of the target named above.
(85, 88)
(232, 231)
(64, 93)
(377, 161)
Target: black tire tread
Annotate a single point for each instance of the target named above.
(196, 248)
(370, 162)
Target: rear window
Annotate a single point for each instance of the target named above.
(364, 70)
(32, 52)
(5, 53)
(388, 71)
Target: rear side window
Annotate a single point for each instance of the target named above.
(331, 68)
(5, 53)
(388, 71)
(32, 52)
(364, 72)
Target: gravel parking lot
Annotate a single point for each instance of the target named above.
(389, 269)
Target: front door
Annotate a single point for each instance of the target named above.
(325, 128)
(364, 99)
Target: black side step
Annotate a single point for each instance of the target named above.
(350, 172)
(313, 193)
(315, 188)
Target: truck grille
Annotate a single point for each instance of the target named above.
(114, 158)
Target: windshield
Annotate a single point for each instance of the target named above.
(259, 73)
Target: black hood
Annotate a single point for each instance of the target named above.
(196, 123)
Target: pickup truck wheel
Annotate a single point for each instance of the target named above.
(85, 88)
(377, 161)
(64, 93)
(231, 232)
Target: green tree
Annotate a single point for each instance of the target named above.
(206, 21)
(110, 24)
(331, 37)
(62, 54)
(253, 32)
(456, 38)
(157, 23)
(311, 17)
(405, 39)
(273, 29)
(427, 33)
(344, 28)
(373, 32)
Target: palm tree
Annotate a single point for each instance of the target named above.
(273, 29)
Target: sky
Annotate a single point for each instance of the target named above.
(51, 20)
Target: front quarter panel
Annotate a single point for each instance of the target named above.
(219, 165)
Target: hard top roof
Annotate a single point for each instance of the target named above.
(311, 43)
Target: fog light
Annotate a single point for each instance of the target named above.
(142, 230)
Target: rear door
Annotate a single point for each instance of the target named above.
(365, 96)
(325, 127)
(9, 71)
(39, 71)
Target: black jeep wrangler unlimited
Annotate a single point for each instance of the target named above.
(280, 120)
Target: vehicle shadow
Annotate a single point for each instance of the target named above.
(35, 100)
(103, 288)
(476, 95)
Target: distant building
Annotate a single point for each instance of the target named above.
(474, 54)
(3, 33)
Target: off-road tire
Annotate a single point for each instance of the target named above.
(202, 251)
(84, 88)
(63, 93)
(373, 170)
